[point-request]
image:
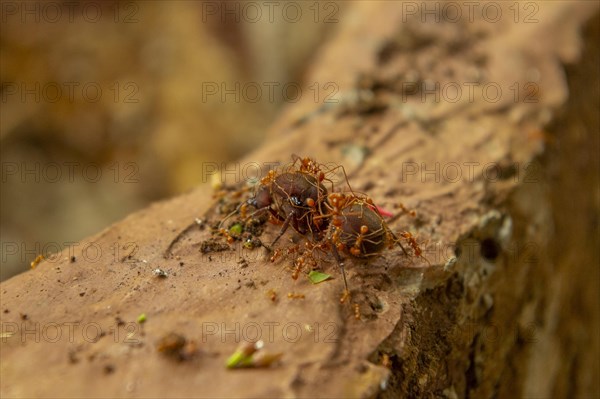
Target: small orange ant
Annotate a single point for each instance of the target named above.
(412, 242)
(297, 268)
(357, 313)
(36, 261)
(345, 296)
(230, 239)
(404, 209)
(386, 361)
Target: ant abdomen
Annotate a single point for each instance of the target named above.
(362, 231)
(296, 196)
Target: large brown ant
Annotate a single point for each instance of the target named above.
(292, 198)
(357, 227)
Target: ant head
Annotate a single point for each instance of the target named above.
(337, 200)
(262, 199)
(268, 178)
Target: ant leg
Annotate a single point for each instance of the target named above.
(403, 249)
(341, 265)
(285, 226)
(240, 207)
(236, 210)
(397, 240)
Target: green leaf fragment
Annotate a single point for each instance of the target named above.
(252, 355)
(318, 277)
(242, 357)
(236, 229)
(239, 359)
(141, 318)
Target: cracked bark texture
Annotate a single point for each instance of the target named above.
(507, 308)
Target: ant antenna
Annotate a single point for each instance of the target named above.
(341, 265)
(346, 177)
(397, 240)
(237, 209)
(403, 249)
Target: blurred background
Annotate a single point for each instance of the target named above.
(107, 106)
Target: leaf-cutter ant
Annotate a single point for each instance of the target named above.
(357, 227)
(292, 198)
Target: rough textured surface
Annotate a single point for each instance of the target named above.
(505, 309)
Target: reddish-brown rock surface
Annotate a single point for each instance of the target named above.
(505, 309)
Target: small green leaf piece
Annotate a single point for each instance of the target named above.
(238, 359)
(242, 357)
(235, 230)
(318, 277)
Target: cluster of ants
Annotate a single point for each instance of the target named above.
(332, 222)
